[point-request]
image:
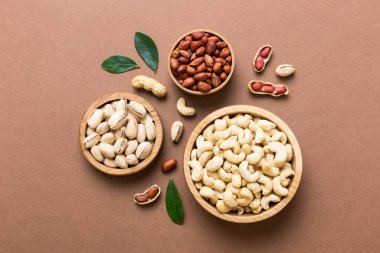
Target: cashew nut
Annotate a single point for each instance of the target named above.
(208, 133)
(238, 120)
(270, 170)
(219, 185)
(193, 155)
(222, 207)
(230, 144)
(198, 185)
(255, 204)
(266, 125)
(205, 157)
(218, 152)
(281, 153)
(204, 146)
(236, 131)
(246, 148)
(259, 134)
(257, 210)
(266, 184)
(239, 209)
(214, 164)
(208, 193)
(246, 197)
(200, 139)
(236, 177)
(228, 198)
(206, 180)
(220, 124)
(234, 158)
(183, 109)
(278, 188)
(254, 187)
(279, 136)
(227, 166)
(247, 137)
(218, 135)
(249, 177)
(197, 170)
(289, 151)
(267, 199)
(256, 156)
(225, 176)
(285, 173)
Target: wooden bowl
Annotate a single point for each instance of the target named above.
(296, 163)
(143, 164)
(198, 93)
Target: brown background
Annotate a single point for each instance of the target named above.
(52, 200)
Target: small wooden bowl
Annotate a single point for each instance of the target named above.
(198, 93)
(131, 170)
(296, 163)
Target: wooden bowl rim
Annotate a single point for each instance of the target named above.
(198, 93)
(156, 147)
(296, 163)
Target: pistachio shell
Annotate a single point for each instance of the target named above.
(102, 128)
(106, 150)
(137, 109)
(150, 128)
(132, 160)
(120, 133)
(121, 161)
(91, 140)
(284, 70)
(108, 138)
(121, 106)
(110, 163)
(120, 145)
(89, 131)
(132, 146)
(141, 133)
(95, 152)
(143, 150)
(131, 129)
(117, 120)
(176, 131)
(94, 120)
(109, 109)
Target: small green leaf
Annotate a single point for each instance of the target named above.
(118, 64)
(147, 49)
(173, 203)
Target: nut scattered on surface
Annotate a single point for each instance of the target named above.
(120, 134)
(168, 165)
(148, 196)
(149, 84)
(266, 88)
(242, 164)
(183, 109)
(176, 131)
(285, 70)
(262, 57)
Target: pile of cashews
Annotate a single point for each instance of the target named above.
(242, 164)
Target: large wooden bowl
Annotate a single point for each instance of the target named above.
(117, 171)
(198, 93)
(296, 163)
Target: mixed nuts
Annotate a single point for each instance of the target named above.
(201, 61)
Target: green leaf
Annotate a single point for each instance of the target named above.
(173, 203)
(147, 49)
(118, 64)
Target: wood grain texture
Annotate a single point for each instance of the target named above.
(143, 164)
(296, 163)
(198, 93)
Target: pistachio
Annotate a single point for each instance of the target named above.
(137, 109)
(106, 150)
(132, 159)
(108, 138)
(285, 70)
(110, 163)
(91, 140)
(95, 152)
(121, 106)
(150, 129)
(131, 128)
(143, 150)
(109, 110)
(94, 120)
(120, 145)
(119, 133)
(102, 128)
(141, 133)
(176, 131)
(117, 120)
(89, 131)
(121, 161)
(131, 147)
